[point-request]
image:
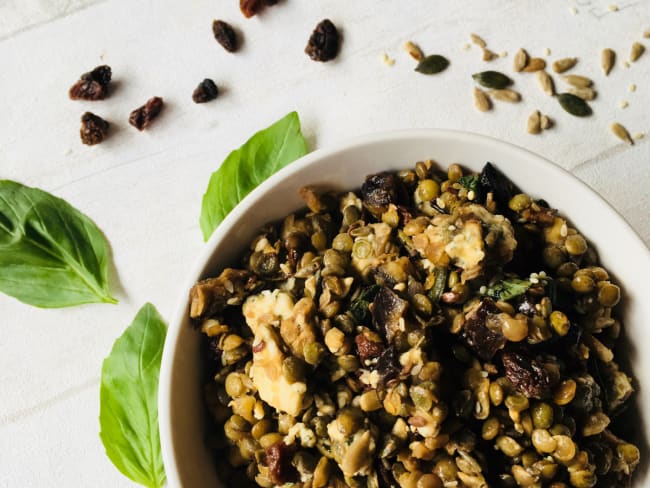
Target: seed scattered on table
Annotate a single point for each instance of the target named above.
(492, 79)
(534, 123)
(636, 51)
(574, 105)
(632, 88)
(535, 64)
(545, 122)
(252, 7)
(142, 117)
(206, 91)
(414, 50)
(520, 60)
(646, 34)
(547, 51)
(505, 95)
(577, 81)
(324, 42)
(481, 100)
(387, 60)
(613, 8)
(607, 60)
(225, 35)
(546, 82)
(92, 85)
(638, 135)
(623, 104)
(478, 40)
(564, 64)
(621, 132)
(489, 55)
(584, 93)
(432, 65)
(93, 129)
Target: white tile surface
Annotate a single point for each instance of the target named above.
(144, 189)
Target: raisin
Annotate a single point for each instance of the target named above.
(378, 191)
(323, 43)
(484, 342)
(206, 91)
(253, 7)
(366, 348)
(278, 459)
(93, 129)
(142, 117)
(527, 375)
(92, 85)
(225, 35)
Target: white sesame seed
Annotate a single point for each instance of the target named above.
(573, 10)
(632, 87)
(534, 276)
(452, 228)
(388, 61)
(534, 281)
(482, 290)
(564, 231)
(466, 47)
(547, 52)
(626, 64)
(638, 135)
(623, 104)
(471, 195)
(613, 8)
(440, 202)
(542, 274)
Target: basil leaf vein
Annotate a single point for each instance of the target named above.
(266, 152)
(128, 412)
(51, 255)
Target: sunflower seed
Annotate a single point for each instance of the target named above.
(578, 81)
(534, 123)
(505, 95)
(574, 105)
(534, 64)
(621, 132)
(432, 64)
(584, 93)
(413, 50)
(546, 82)
(478, 40)
(489, 55)
(636, 51)
(492, 79)
(520, 61)
(564, 64)
(545, 122)
(607, 59)
(481, 100)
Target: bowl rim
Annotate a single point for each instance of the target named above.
(394, 136)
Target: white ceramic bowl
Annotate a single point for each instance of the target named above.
(186, 459)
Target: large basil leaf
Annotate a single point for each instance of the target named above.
(262, 155)
(51, 255)
(128, 411)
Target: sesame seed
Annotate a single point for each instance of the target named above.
(547, 52)
(623, 104)
(451, 227)
(613, 8)
(388, 61)
(542, 274)
(471, 195)
(638, 135)
(534, 281)
(466, 47)
(440, 202)
(632, 87)
(482, 290)
(573, 10)
(564, 231)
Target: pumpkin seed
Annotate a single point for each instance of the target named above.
(505, 95)
(578, 81)
(533, 124)
(481, 100)
(545, 122)
(621, 132)
(535, 64)
(636, 51)
(478, 40)
(564, 64)
(546, 82)
(607, 59)
(584, 93)
(520, 61)
(414, 51)
(489, 55)
(492, 79)
(574, 105)
(432, 64)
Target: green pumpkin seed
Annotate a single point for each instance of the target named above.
(492, 79)
(574, 105)
(432, 64)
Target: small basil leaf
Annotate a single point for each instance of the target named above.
(508, 288)
(360, 308)
(51, 255)
(128, 410)
(432, 64)
(262, 155)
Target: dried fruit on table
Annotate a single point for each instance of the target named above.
(142, 117)
(324, 42)
(527, 375)
(432, 64)
(492, 79)
(92, 85)
(225, 35)
(206, 90)
(574, 104)
(93, 129)
(253, 7)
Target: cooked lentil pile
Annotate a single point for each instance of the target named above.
(430, 330)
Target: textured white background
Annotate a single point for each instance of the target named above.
(144, 189)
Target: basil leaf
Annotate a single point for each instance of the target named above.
(51, 255)
(470, 181)
(262, 155)
(508, 288)
(360, 308)
(128, 410)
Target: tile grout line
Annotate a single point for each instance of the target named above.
(39, 407)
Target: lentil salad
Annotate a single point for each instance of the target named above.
(432, 329)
